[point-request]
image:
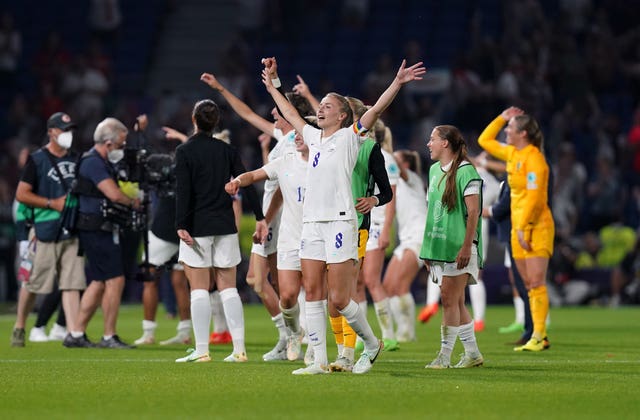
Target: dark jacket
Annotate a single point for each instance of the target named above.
(203, 166)
(501, 212)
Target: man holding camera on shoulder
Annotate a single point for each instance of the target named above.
(98, 190)
(44, 187)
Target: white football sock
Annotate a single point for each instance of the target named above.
(383, 313)
(317, 329)
(358, 321)
(291, 317)
(184, 326)
(278, 321)
(518, 304)
(364, 307)
(408, 311)
(302, 304)
(235, 317)
(468, 338)
(149, 327)
(396, 315)
(217, 313)
(448, 337)
(201, 317)
(478, 297)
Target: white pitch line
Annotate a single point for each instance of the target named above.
(381, 361)
(85, 360)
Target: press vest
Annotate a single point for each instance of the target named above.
(47, 222)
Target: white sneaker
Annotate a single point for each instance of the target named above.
(57, 333)
(365, 362)
(294, 346)
(440, 362)
(38, 335)
(470, 360)
(147, 338)
(194, 358)
(342, 364)
(311, 370)
(180, 338)
(309, 356)
(279, 352)
(237, 358)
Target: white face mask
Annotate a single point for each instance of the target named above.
(65, 139)
(115, 155)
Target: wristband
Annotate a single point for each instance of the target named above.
(276, 82)
(238, 180)
(377, 200)
(48, 203)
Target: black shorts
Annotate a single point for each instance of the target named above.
(103, 254)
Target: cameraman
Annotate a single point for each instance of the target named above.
(99, 237)
(162, 249)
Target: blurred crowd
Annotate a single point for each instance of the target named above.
(577, 70)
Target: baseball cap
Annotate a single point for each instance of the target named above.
(60, 120)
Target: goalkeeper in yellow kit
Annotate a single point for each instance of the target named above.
(532, 230)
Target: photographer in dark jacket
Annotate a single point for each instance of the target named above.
(99, 238)
(206, 226)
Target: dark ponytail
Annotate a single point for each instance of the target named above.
(459, 149)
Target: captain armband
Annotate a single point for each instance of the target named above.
(359, 129)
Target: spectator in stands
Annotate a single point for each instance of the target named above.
(105, 19)
(627, 273)
(604, 195)
(52, 59)
(10, 51)
(633, 148)
(568, 191)
(83, 88)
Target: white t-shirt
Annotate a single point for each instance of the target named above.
(393, 172)
(290, 172)
(411, 207)
(328, 196)
(490, 187)
(285, 144)
(490, 194)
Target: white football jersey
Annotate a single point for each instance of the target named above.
(393, 172)
(328, 196)
(490, 194)
(490, 187)
(285, 143)
(290, 172)
(411, 208)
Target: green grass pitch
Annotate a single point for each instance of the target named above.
(592, 371)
